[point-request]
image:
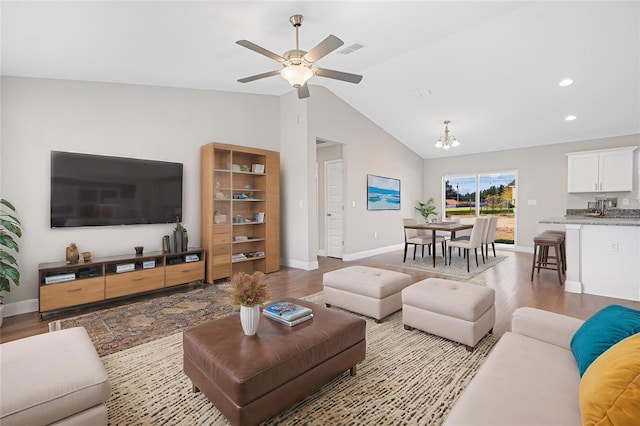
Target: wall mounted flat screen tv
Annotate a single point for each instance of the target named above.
(383, 193)
(97, 190)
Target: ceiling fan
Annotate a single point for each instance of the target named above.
(298, 64)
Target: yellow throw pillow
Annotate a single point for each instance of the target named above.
(610, 388)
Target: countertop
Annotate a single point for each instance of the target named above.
(586, 220)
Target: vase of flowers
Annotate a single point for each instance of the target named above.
(249, 291)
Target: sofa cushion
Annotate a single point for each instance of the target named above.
(602, 330)
(524, 382)
(610, 388)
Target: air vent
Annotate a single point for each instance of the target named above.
(419, 94)
(350, 49)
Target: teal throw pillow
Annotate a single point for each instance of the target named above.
(602, 330)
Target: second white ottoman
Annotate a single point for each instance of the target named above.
(368, 291)
(454, 310)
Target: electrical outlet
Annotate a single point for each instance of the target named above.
(625, 201)
(613, 246)
(375, 235)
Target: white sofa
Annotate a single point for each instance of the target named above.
(530, 377)
(53, 378)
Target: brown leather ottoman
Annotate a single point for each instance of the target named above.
(251, 378)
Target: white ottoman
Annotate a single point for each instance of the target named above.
(50, 378)
(368, 291)
(454, 310)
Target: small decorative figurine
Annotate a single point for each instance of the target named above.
(72, 253)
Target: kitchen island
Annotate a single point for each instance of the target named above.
(603, 255)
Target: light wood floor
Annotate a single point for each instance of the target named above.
(510, 279)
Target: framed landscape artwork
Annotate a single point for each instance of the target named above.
(383, 193)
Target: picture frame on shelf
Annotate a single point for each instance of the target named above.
(257, 168)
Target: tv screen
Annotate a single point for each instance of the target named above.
(97, 190)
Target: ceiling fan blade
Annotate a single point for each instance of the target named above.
(323, 48)
(303, 91)
(260, 50)
(259, 76)
(338, 75)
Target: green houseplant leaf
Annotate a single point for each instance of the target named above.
(10, 231)
(426, 209)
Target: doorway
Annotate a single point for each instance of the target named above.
(333, 190)
(330, 198)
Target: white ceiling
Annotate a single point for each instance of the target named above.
(492, 68)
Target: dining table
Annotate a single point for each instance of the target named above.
(451, 227)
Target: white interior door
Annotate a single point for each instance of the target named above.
(333, 201)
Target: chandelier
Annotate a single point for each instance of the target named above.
(447, 141)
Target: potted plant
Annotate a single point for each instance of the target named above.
(10, 231)
(249, 291)
(427, 209)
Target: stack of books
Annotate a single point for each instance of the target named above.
(287, 313)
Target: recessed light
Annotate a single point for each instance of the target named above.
(566, 82)
(570, 117)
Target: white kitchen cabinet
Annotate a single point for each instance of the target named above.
(607, 170)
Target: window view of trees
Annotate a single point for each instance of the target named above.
(468, 196)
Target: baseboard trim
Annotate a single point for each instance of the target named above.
(22, 307)
(572, 286)
(298, 264)
(372, 252)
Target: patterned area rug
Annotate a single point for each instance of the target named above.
(407, 378)
(122, 327)
(458, 267)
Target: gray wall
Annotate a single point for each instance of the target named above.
(366, 149)
(542, 176)
(40, 115)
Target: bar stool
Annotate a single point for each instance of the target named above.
(541, 259)
(563, 246)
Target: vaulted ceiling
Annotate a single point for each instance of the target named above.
(492, 68)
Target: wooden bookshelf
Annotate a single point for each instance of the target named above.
(240, 209)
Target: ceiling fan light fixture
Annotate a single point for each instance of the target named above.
(296, 75)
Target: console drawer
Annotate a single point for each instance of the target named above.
(184, 273)
(77, 292)
(134, 282)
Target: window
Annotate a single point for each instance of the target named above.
(467, 196)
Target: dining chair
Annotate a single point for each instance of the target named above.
(490, 235)
(418, 237)
(473, 242)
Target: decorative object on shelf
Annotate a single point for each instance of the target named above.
(249, 291)
(86, 256)
(244, 168)
(447, 141)
(427, 209)
(139, 250)
(219, 218)
(257, 168)
(9, 229)
(73, 255)
(219, 194)
(238, 219)
(258, 217)
(180, 237)
(166, 244)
